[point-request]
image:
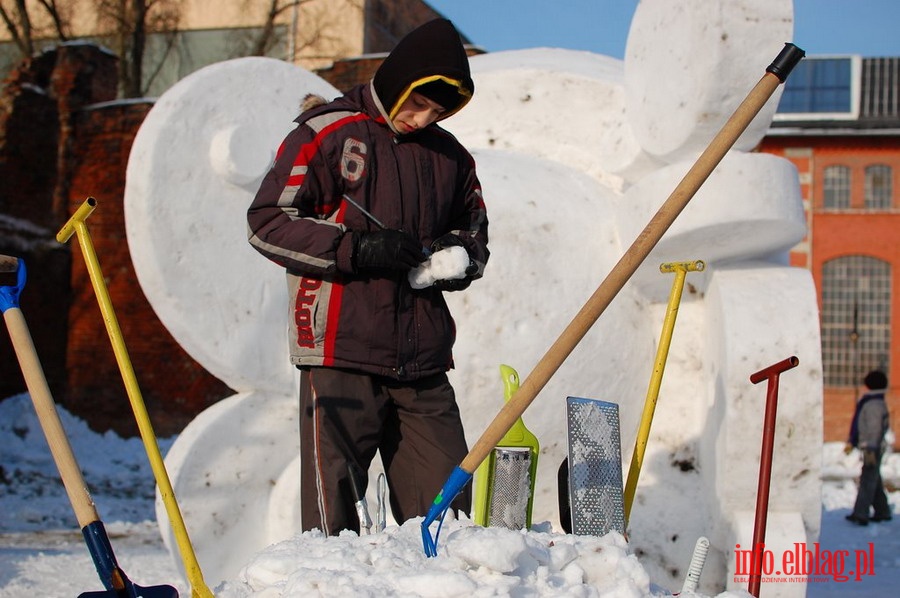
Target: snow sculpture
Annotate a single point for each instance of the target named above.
(575, 152)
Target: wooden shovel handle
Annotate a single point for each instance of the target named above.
(81, 500)
(8, 263)
(622, 271)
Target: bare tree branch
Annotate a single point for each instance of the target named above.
(171, 38)
(18, 23)
(138, 45)
(130, 24)
(266, 38)
(58, 22)
(14, 34)
(25, 24)
(24, 28)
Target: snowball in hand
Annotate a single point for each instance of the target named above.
(442, 265)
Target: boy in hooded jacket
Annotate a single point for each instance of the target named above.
(361, 192)
(871, 421)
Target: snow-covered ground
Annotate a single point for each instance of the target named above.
(42, 552)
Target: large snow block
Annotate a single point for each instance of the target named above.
(689, 64)
(749, 207)
(758, 315)
(522, 95)
(542, 271)
(193, 170)
(224, 468)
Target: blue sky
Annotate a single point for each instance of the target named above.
(866, 27)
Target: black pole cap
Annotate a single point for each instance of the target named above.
(786, 60)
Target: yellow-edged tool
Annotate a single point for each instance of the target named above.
(77, 226)
(505, 481)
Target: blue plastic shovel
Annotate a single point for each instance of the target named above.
(114, 579)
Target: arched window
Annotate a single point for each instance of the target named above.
(879, 187)
(856, 318)
(837, 188)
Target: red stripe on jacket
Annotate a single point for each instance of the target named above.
(334, 307)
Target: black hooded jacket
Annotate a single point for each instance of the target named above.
(423, 183)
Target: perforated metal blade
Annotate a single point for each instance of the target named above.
(595, 467)
(511, 489)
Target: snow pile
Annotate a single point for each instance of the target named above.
(840, 473)
(31, 492)
(473, 561)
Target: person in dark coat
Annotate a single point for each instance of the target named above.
(362, 191)
(871, 422)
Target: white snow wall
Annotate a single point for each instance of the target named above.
(575, 152)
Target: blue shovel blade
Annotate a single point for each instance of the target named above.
(135, 591)
(453, 486)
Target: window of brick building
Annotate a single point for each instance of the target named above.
(822, 87)
(855, 319)
(836, 188)
(879, 187)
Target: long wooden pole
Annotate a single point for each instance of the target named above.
(775, 74)
(92, 528)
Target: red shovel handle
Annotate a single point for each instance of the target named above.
(771, 374)
(774, 369)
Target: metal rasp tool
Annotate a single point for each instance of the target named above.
(595, 467)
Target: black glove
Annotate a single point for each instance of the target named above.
(390, 249)
(453, 284)
(448, 240)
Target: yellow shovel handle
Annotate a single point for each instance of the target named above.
(76, 225)
(662, 353)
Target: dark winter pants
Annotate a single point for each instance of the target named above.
(871, 490)
(345, 417)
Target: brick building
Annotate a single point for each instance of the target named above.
(63, 137)
(186, 35)
(839, 123)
